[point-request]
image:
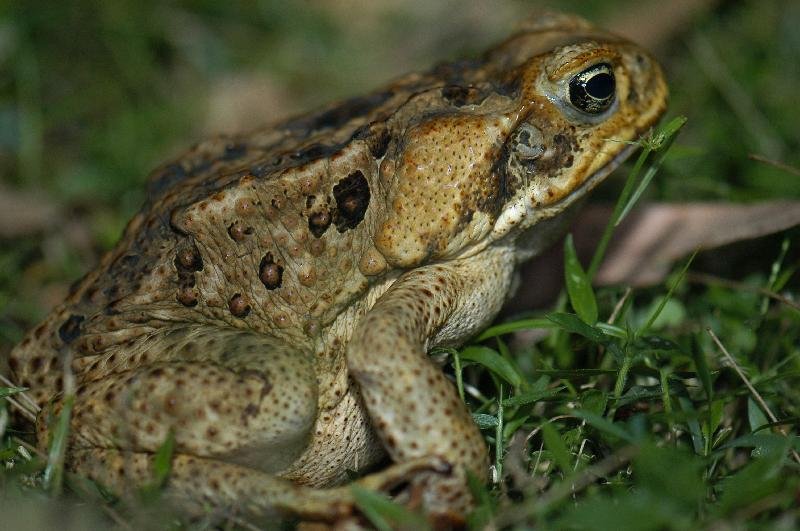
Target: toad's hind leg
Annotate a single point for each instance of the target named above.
(231, 395)
(241, 407)
(201, 486)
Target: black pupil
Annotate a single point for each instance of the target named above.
(600, 86)
(592, 91)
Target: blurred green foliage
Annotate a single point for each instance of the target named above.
(743, 101)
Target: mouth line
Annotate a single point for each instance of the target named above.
(609, 167)
(593, 180)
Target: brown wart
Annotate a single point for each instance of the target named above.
(318, 222)
(270, 273)
(239, 306)
(187, 296)
(188, 258)
(238, 232)
(187, 262)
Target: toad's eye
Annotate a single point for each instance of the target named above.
(592, 91)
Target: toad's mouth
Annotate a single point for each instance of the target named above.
(523, 213)
(539, 213)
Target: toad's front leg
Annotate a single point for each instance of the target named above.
(415, 409)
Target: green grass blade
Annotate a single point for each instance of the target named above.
(643, 330)
(385, 514)
(574, 324)
(514, 326)
(555, 444)
(579, 287)
(661, 142)
(54, 471)
(608, 231)
(604, 425)
(162, 461)
(495, 363)
(8, 391)
(532, 396)
(773, 281)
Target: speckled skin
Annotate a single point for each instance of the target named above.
(273, 302)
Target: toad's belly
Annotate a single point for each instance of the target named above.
(342, 443)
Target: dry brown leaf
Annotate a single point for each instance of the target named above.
(645, 247)
(654, 237)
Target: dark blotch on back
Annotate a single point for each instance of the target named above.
(234, 151)
(71, 328)
(263, 169)
(164, 179)
(460, 96)
(377, 138)
(456, 72)
(352, 199)
(341, 114)
(313, 152)
(379, 143)
(509, 87)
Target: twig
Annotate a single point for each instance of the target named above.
(620, 303)
(577, 462)
(22, 409)
(538, 459)
(538, 428)
(114, 515)
(753, 391)
(780, 165)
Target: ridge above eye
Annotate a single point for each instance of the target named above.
(593, 90)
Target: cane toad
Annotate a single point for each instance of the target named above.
(272, 303)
